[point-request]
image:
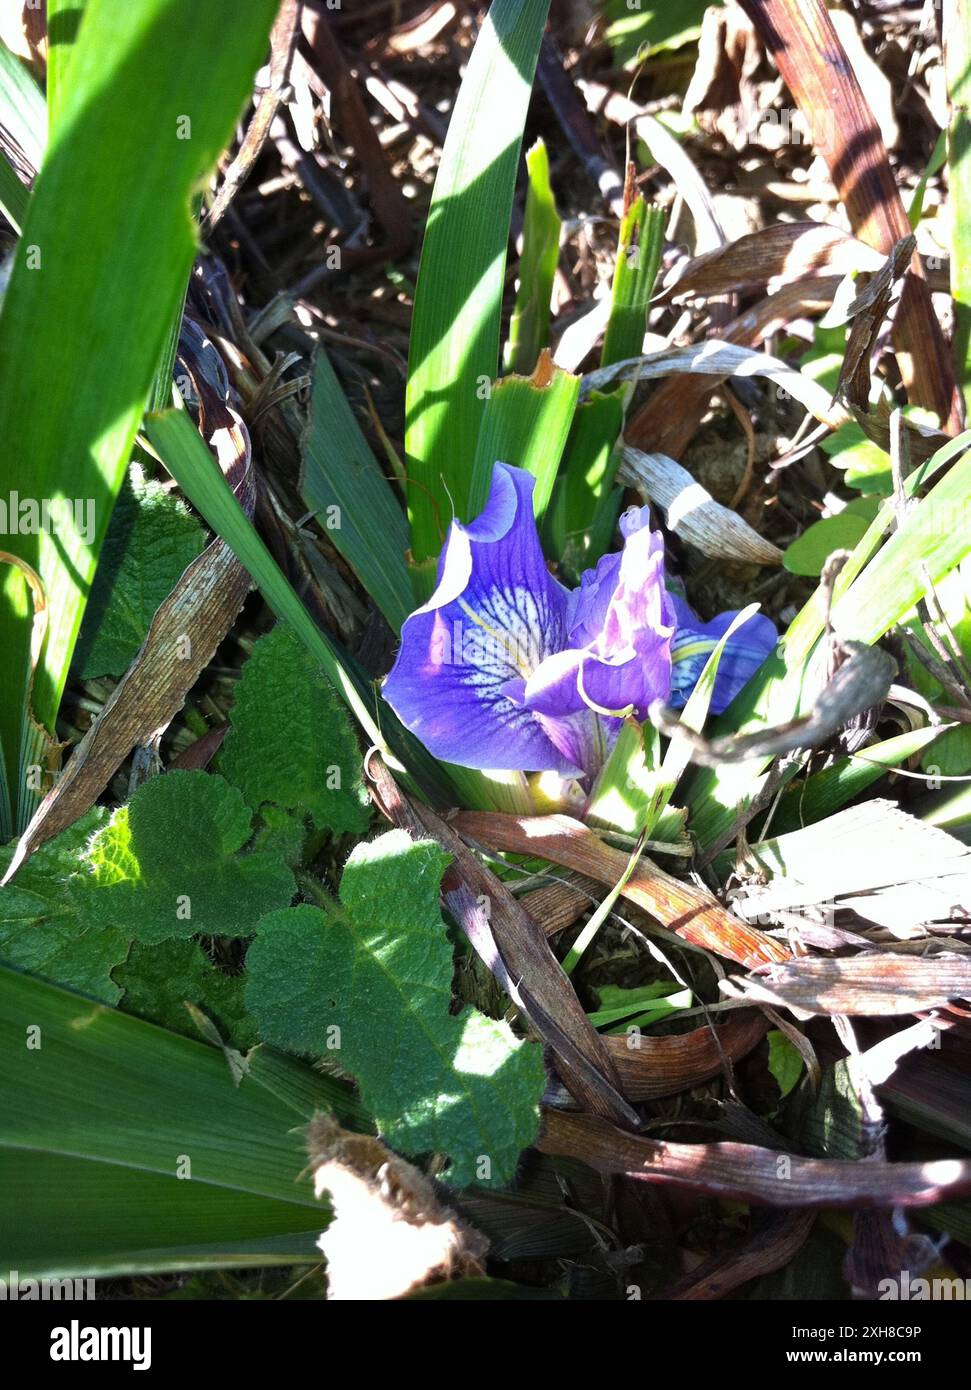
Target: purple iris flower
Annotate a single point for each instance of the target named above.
(504, 668)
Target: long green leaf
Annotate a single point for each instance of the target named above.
(529, 328)
(127, 1148)
(154, 89)
(526, 423)
(343, 482)
(585, 503)
(454, 351)
(827, 791)
(638, 261)
(63, 23)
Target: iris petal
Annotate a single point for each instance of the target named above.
(496, 613)
(694, 642)
(503, 669)
(621, 621)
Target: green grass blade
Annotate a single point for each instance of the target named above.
(934, 539)
(454, 350)
(102, 1112)
(586, 506)
(638, 260)
(154, 90)
(603, 911)
(938, 159)
(529, 329)
(369, 527)
(526, 422)
(826, 792)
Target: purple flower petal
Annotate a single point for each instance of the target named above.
(694, 642)
(621, 622)
(466, 655)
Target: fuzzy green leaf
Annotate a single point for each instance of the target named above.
(43, 926)
(290, 742)
(158, 981)
(150, 541)
(171, 863)
(378, 968)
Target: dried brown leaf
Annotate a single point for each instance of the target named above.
(769, 1247)
(691, 511)
(877, 985)
(747, 1173)
(787, 252)
(651, 1067)
(689, 911)
(814, 65)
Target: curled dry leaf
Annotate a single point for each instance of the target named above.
(769, 1247)
(669, 419)
(652, 1067)
(691, 511)
(722, 95)
(787, 252)
(860, 683)
(715, 358)
(747, 1173)
(556, 906)
(877, 985)
(889, 865)
(922, 441)
(814, 65)
(866, 315)
(683, 908)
